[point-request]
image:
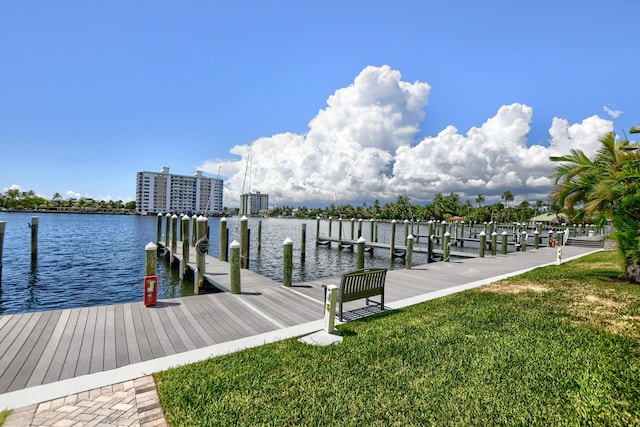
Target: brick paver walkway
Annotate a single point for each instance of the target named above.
(131, 403)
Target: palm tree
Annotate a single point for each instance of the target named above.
(609, 184)
(507, 196)
(479, 200)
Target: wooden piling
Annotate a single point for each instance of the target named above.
(159, 232)
(371, 227)
(359, 228)
(483, 243)
(443, 230)
(317, 230)
(202, 247)
(34, 236)
(330, 229)
(352, 227)
(409, 257)
(185, 245)
(151, 251)
(194, 229)
(167, 230)
(224, 238)
(174, 235)
(339, 232)
(234, 267)
(446, 250)
(523, 241)
(288, 262)
(536, 239)
(393, 239)
(244, 242)
(360, 254)
(303, 243)
(259, 235)
(505, 236)
(406, 231)
(494, 243)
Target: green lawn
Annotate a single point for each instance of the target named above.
(557, 346)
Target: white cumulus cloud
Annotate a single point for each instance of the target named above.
(364, 146)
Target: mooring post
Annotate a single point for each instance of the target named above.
(523, 241)
(34, 236)
(408, 258)
(360, 255)
(359, 228)
(406, 231)
(505, 236)
(194, 229)
(159, 232)
(224, 239)
(150, 259)
(339, 232)
(317, 230)
(259, 235)
(375, 232)
(430, 249)
(167, 230)
(371, 226)
(303, 243)
(393, 238)
(330, 218)
(443, 230)
(445, 246)
(536, 239)
(202, 247)
(483, 243)
(288, 262)
(174, 236)
(430, 228)
(185, 245)
(244, 242)
(494, 243)
(234, 267)
(353, 223)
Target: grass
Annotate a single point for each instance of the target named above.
(559, 345)
(3, 416)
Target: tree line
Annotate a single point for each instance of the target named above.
(14, 199)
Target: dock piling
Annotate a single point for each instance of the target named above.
(446, 250)
(483, 243)
(244, 242)
(34, 237)
(150, 259)
(159, 232)
(224, 238)
(408, 258)
(288, 262)
(494, 243)
(360, 255)
(2, 227)
(185, 246)
(234, 267)
(303, 244)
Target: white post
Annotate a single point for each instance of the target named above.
(330, 309)
(559, 255)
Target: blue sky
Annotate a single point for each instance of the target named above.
(343, 100)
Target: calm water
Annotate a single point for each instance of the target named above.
(86, 260)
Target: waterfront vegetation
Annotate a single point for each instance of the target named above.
(556, 346)
(14, 199)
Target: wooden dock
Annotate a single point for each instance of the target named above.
(399, 250)
(49, 346)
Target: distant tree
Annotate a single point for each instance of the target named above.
(479, 200)
(507, 196)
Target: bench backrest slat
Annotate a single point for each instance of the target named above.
(362, 283)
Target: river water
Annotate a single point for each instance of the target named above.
(86, 260)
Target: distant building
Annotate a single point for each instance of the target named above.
(253, 203)
(162, 191)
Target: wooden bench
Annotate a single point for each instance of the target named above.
(359, 284)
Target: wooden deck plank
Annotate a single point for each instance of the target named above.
(14, 330)
(73, 353)
(97, 349)
(58, 360)
(21, 335)
(142, 338)
(86, 345)
(204, 320)
(40, 371)
(182, 335)
(197, 333)
(122, 354)
(36, 352)
(129, 327)
(239, 323)
(28, 351)
(4, 319)
(157, 349)
(161, 332)
(109, 356)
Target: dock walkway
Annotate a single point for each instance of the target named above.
(50, 354)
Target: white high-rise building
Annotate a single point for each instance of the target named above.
(253, 203)
(160, 192)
